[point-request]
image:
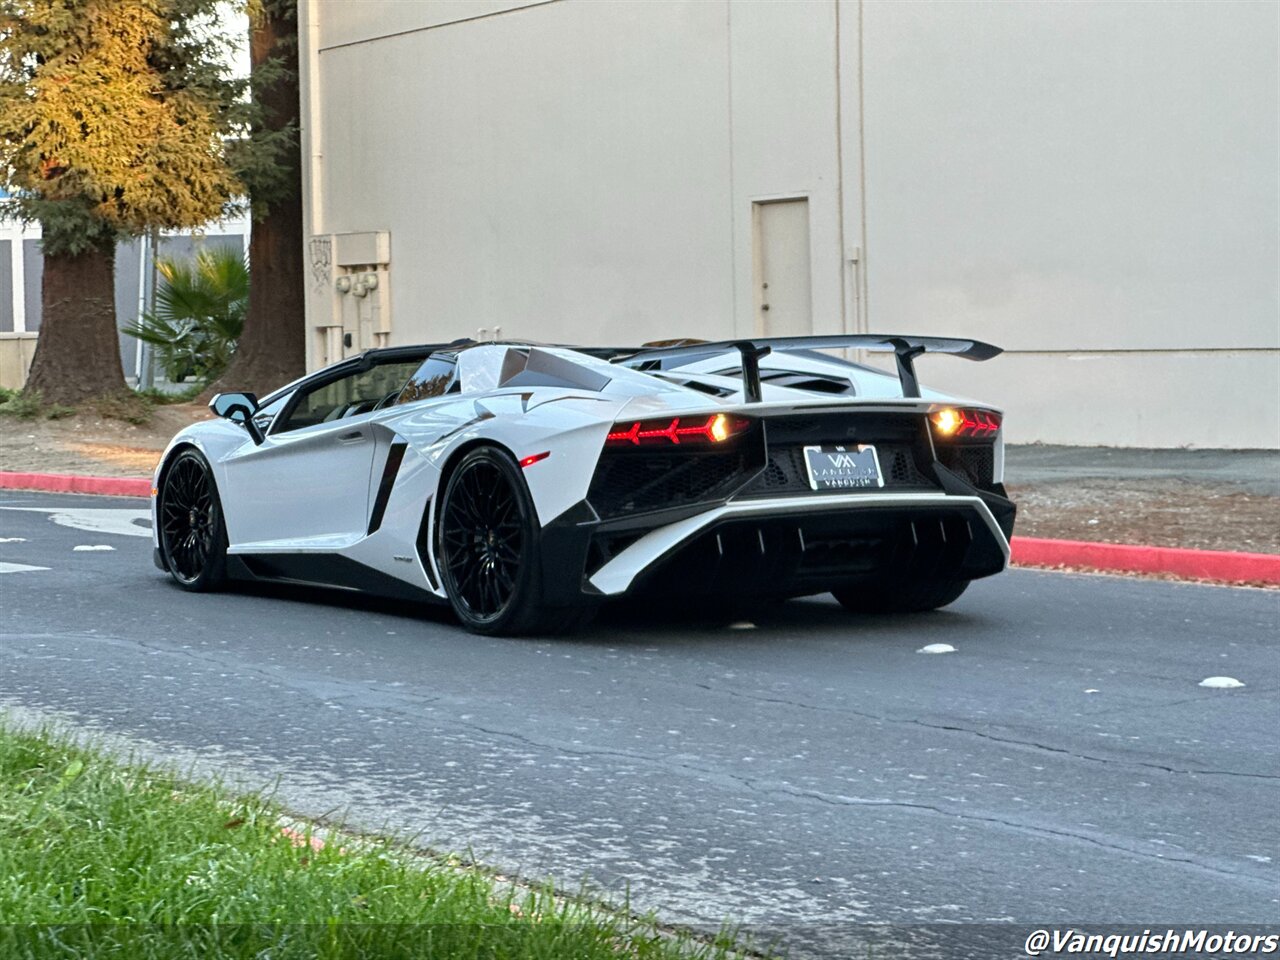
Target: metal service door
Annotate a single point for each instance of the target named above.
(780, 236)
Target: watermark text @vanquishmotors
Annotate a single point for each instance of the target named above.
(1181, 943)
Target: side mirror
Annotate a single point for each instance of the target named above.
(238, 408)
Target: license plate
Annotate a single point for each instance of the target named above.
(843, 468)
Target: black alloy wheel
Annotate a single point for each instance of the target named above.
(484, 533)
(489, 551)
(192, 534)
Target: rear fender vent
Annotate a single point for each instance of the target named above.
(973, 462)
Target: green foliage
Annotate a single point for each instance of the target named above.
(114, 115)
(199, 314)
(163, 398)
(29, 406)
(101, 860)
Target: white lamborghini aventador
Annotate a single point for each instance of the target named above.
(526, 484)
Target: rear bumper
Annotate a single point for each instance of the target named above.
(802, 545)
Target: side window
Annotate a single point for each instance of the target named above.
(437, 376)
(351, 396)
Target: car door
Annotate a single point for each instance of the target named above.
(306, 486)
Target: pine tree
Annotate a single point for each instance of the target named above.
(114, 115)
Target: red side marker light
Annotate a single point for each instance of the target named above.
(531, 460)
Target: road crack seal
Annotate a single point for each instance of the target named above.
(1011, 741)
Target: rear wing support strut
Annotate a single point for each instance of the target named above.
(752, 391)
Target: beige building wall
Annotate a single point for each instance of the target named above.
(1091, 186)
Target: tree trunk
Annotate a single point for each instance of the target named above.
(78, 351)
(272, 349)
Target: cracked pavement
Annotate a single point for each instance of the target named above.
(802, 777)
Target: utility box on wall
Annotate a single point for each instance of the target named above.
(350, 293)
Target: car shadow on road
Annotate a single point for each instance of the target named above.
(790, 621)
(346, 599)
(634, 622)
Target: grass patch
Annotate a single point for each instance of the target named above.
(106, 860)
(126, 405)
(28, 406)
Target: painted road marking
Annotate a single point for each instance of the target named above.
(18, 568)
(97, 519)
(90, 547)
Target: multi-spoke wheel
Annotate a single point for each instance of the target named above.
(193, 537)
(488, 547)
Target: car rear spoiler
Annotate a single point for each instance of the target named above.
(905, 350)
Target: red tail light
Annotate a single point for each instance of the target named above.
(713, 429)
(967, 424)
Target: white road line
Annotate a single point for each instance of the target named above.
(96, 519)
(18, 568)
(13, 539)
(90, 547)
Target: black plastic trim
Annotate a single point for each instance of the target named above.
(423, 544)
(1002, 508)
(395, 456)
(325, 570)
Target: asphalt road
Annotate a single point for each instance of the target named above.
(806, 776)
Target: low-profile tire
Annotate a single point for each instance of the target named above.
(489, 551)
(193, 533)
(910, 596)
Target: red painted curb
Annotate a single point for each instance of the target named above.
(1125, 558)
(72, 483)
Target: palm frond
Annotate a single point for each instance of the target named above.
(200, 306)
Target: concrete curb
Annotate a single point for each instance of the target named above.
(1222, 565)
(73, 483)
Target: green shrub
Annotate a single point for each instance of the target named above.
(28, 406)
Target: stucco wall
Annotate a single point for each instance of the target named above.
(1092, 186)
